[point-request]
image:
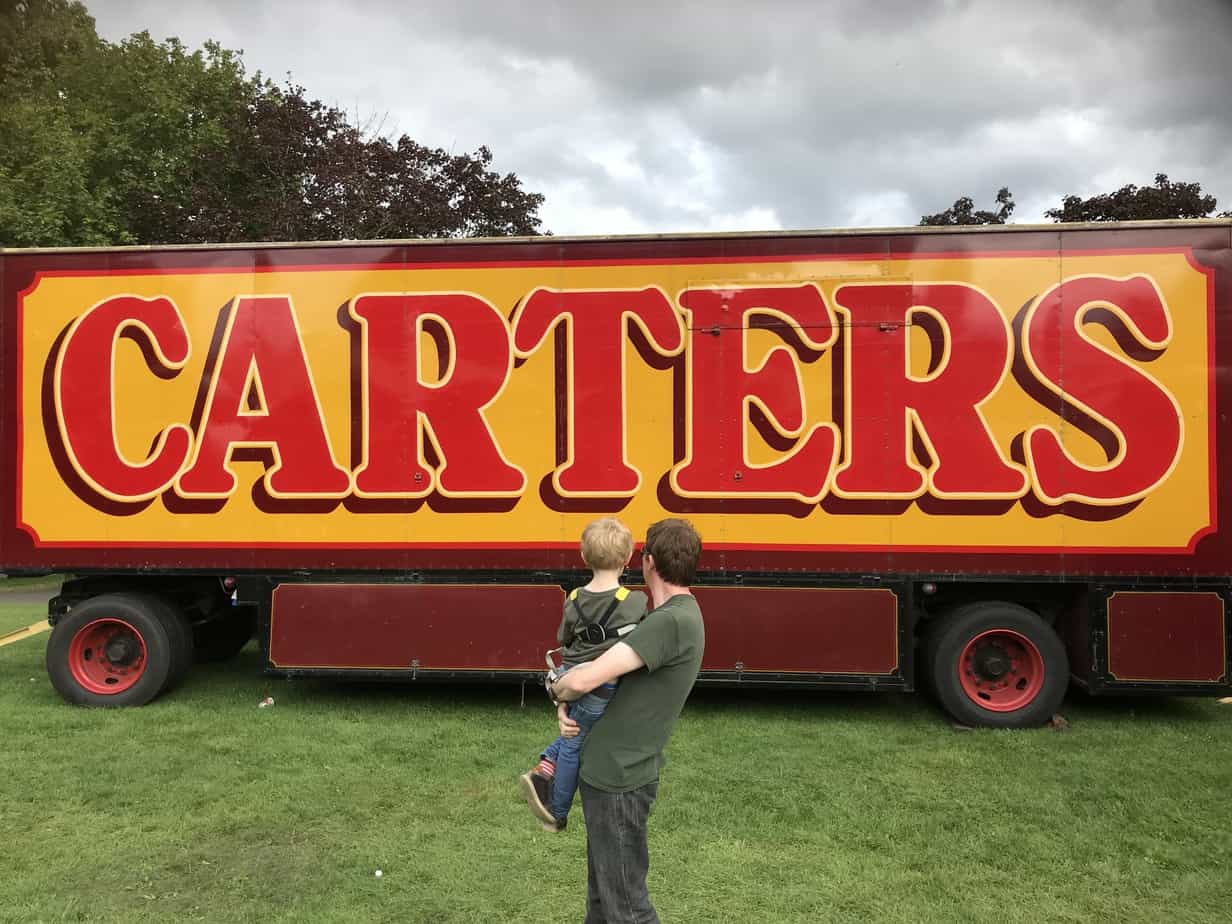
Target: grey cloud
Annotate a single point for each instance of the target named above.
(685, 114)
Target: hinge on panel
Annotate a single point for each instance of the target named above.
(739, 670)
(414, 667)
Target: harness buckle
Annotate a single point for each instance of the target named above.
(594, 634)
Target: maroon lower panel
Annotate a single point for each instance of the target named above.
(406, 626)
(1178, 637)
(792, 629)
(494, 627)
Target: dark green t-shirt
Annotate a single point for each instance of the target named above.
(624, 750)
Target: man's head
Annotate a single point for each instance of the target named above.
(607, 545)
(675, 547)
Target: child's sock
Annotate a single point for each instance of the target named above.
(546, 768)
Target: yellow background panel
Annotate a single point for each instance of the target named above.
(523, 418)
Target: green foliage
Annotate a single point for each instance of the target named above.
(1138, 203)
(38, 38)
(149, 142)
(963, 212)
(297, 169)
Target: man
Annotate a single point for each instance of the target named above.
(621, 759)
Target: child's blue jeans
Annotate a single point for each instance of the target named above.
(566, 752)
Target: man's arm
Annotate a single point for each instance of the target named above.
(617, 661)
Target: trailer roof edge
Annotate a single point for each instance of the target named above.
(1052, 227)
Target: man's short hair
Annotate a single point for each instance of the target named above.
(675, 547)
(606, 544)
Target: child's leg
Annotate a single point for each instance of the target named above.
(565, 783)
(547, 759)
(585, 712)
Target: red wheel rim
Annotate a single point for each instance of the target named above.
(107, 656)
(1001, 670)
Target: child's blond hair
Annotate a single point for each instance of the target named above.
(606, 544)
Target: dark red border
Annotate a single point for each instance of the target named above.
(1194, 242)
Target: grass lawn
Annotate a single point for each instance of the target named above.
(50, 582)
(773, 808)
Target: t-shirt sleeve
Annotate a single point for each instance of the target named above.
(632, 609)
(566, 618)
(655, 640)
(640, 603)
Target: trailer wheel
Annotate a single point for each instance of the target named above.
(926, 651)
(226, 633)
(997, 664)
(111, 650)
(179, 633)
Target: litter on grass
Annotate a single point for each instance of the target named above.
(268, 701)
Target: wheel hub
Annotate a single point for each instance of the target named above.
(121, 649)
(1001, 670)
(991, 662)
(107, 656)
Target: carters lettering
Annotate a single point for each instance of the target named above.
(426, 366)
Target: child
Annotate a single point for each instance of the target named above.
(596, 617)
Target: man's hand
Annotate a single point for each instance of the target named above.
(568, 727)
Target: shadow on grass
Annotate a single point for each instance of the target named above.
(867, 706)
(247, 668)
(1080, 704)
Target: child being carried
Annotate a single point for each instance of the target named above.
(595, 618)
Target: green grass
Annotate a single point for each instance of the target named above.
(42, 582)
(780, 808)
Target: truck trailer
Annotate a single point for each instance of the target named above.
(981, 461)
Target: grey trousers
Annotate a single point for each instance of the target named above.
(616, 856)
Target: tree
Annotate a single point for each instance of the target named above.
(962, 212)
(37, 36)
(148, 142)
(298, 169)
(1132, 203)
(43, 156)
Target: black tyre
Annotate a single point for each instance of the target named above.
(225, 633)
(179, 632)
(111, 650)
(996, 664)
(926, 652)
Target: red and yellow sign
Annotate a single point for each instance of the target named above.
(1010, 402)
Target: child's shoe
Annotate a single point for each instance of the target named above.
(555, 826)
(538, 791)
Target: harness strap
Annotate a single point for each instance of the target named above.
(582, 632)
(617, 599)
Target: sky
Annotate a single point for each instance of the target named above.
(660, 117)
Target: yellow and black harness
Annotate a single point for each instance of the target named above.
(595, 632)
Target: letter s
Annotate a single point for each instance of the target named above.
(1133, 415)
